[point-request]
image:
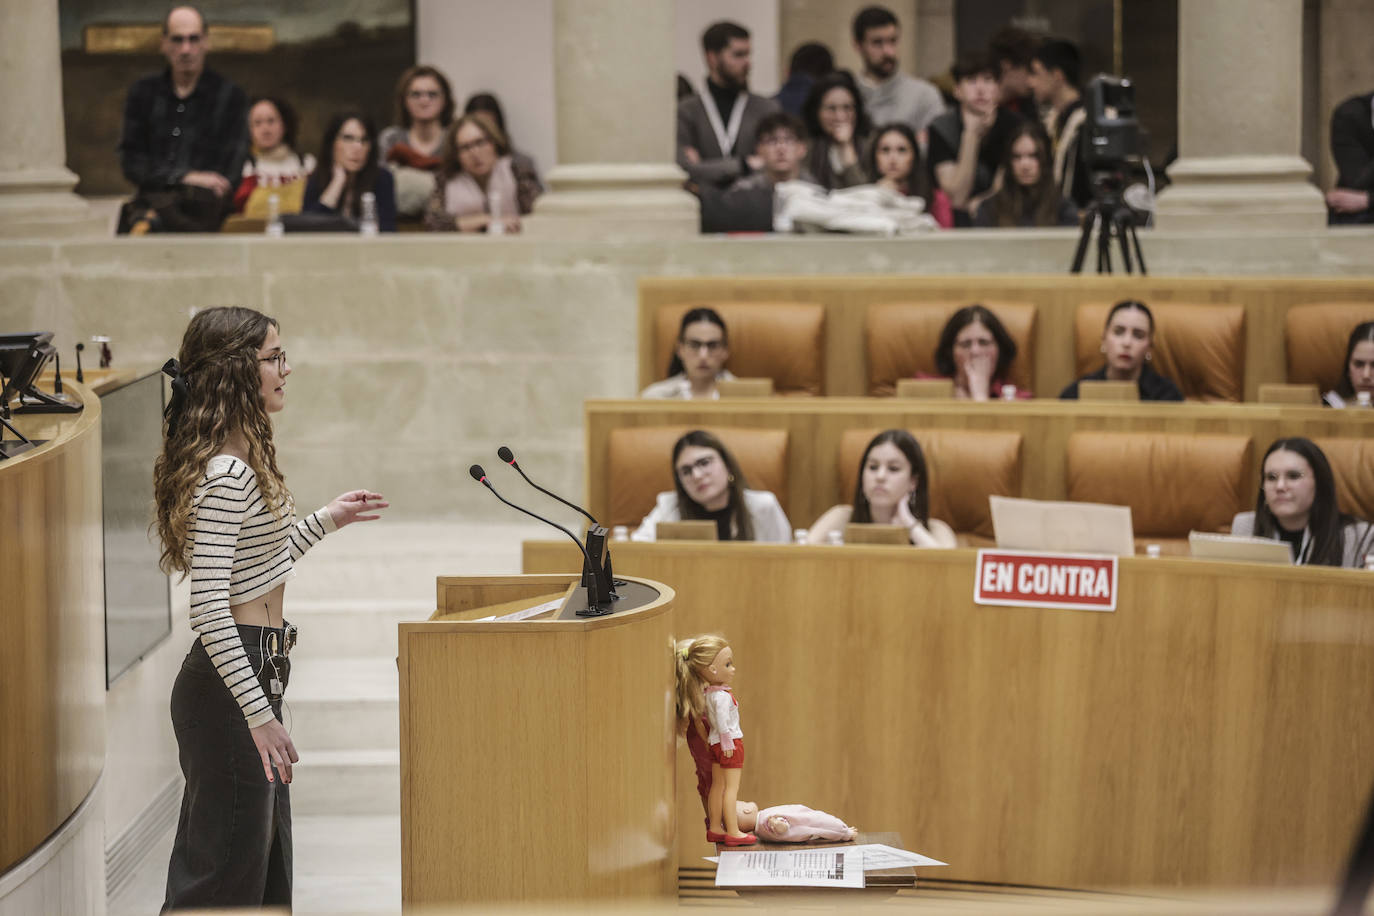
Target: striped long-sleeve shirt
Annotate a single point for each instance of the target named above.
(240, 552)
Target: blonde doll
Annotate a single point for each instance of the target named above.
(705, 668)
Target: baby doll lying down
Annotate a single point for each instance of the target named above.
(793, 824)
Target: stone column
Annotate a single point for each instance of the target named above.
(614, 90)
(35, 184)
(1240, 120)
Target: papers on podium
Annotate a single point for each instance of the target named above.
(831, 866)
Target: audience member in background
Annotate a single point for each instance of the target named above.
(1297, 505)
(410, 148)
(525, 171)
(348, 169)
(711, 486)
(716, 130)
(273, 166)
(749, 204)
(703, 347)
(968, 143)
(810, 62)
(1054, 80)
(976, 352)
(1011, 50)
(895, 163)
(184, 138)
(893, 488)
(889, 94)
(1359, 369)
(839, 129)
(1029, 196)
(1127, 343)
(477, 182)
(1352, 146)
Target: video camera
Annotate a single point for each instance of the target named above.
(1111, 132)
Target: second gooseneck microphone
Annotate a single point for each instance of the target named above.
(508, 457)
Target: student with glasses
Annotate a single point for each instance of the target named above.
(478, 188)
(348, 169)
(410, 148)
(710, 485)
(699, 358)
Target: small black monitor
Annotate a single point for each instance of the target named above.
(22, 359)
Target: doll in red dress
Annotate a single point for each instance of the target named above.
(705, 669)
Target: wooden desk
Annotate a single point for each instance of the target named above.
(815, 426)
(52, 626)
(1213, 732)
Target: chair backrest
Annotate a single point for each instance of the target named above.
(1173, 482)
(784, 341)
(1352, 464)
(639, 465)
(1200, 347)
(966, 467)
(1316, 335)
(900, 340)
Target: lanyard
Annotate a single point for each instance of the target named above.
(725, 135)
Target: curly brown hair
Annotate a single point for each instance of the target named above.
(222, 395)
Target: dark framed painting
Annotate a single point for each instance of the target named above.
(321, 56)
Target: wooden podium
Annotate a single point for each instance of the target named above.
(537, 756)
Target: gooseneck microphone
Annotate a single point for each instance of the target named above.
(508, 457)
(80, 376)
(597, 604)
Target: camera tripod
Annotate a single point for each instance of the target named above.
(1109, 215)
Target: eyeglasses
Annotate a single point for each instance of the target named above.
(279, 359)
(710, 346)
(472, 145)
(701, 464)
(424, 94)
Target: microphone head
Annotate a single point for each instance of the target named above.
(505, 455)
(477, 473)
(80, 346)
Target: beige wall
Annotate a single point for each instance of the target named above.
(760, 17)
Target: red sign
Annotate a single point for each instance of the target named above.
(1077, 581)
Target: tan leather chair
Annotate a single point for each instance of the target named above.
(900, 339)
(966, 467)
(1316, 335)
(1173, 482)
(1352, 464)
(1201, 348)
(784, 341)
(639, 465)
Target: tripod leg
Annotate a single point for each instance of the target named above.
(1104, 245)
(1122, 220)
(1139, 255)
(1089, 220)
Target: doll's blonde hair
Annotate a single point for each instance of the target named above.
(693, 656)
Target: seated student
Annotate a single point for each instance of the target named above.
(894, 162)
(1029, 196)
(698, 362)
(410, 147)
(892, 489)
(1359, 369)
(525, 170)
(967, 143)
(477, 182)
(1297, 505)
(975, 351)
(710, 485)
(273, 165)
(839, 130)
(348, 169)
(1127, 340)
(748, 205)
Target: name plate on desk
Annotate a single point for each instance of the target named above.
(1074, 581)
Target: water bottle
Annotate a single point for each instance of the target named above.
(620, 533)
(274, 229)
(497, 225)
(1152, 551)
(1362, 399)
(799, 536)
(368, 224)
(1008, 392)
(835, 538)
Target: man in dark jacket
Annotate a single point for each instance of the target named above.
(1352, 146)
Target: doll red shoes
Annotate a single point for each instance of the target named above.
(747, 840)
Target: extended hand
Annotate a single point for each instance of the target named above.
(350, 507)
(905, 517)
(275, 749)
(211, 181)
(978, 369)
(979, 123)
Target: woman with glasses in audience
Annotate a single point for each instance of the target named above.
(1357, 381)
(477, 189)
(348, 170)
(1029, 196)
(839, 129)
(522, 163)
(976, 352)
(273, 165)
(1297, 505)
(893, 488)
(1127, 343)
(710, 486)
(410, 147)
(895, 163)
(698, 359)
